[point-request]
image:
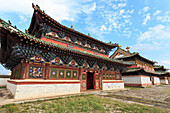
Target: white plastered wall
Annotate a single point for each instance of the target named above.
(111, 86)
(42, 90)
(146, 80)
(156, 80)
(132, 79)
(3, 81)
(164, 81)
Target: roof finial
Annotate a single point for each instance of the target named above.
(71, 26)
(88, 34)
(9, 22)
(26, 31)
(127, 48)
(120, 46)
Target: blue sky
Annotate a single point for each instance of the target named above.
(144, 25)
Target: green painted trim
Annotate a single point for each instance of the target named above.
(104, 75)
(52, 71)
(59, 75)
(74, 77)
(83, 76)
(97, 76)
(68, 76)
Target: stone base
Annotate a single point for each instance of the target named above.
(26, 89)
(112, 84)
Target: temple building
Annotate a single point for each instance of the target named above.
(50, 59)
(164, 75)
(143, 73)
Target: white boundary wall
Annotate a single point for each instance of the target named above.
(164, 81)
(132, 79)
(3, 81)
(156, 80)
(42, 90)
(137, 80)
(111, 86)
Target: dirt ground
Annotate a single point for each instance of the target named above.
(155, 95)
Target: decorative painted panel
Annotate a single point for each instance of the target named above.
(110, 75)
(61, 74)
(97, 85)
(68, 73)
(53, 73)
(97, 76)
(38, 58)
(113, 76)
(107, 76)
(84, 76)
(35, 72)
(118, 76)
(104, 76)
(74, 74)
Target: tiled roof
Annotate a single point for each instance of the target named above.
(37, 8)
(11, 29)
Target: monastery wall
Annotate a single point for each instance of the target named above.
(112, 84)
(162, 81)
(37, 89)
(137, 80)
(3, 81)
(156, 80)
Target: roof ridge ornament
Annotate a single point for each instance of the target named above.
(127, 48)
(35, 6)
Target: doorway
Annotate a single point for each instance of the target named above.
(90, 80)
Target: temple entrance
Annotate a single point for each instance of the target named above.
(90, 80)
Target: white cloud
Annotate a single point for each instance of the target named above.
(144, 10)
(166, 62)
(90, 7)
(158, 32)
(131, 11)
(148, 17)
(122, 4)
(155, 38)
(57, 9)
(121, 11)
(165, 17)
(23, 19)
(103, 28)
(157, 12)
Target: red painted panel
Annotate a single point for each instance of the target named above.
(75, 47)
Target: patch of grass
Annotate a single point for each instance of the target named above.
(81, 103)
(133, 88)
(2, 86)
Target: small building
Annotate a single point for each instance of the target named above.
(51, 59)
(164, 75)
(140, 74)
